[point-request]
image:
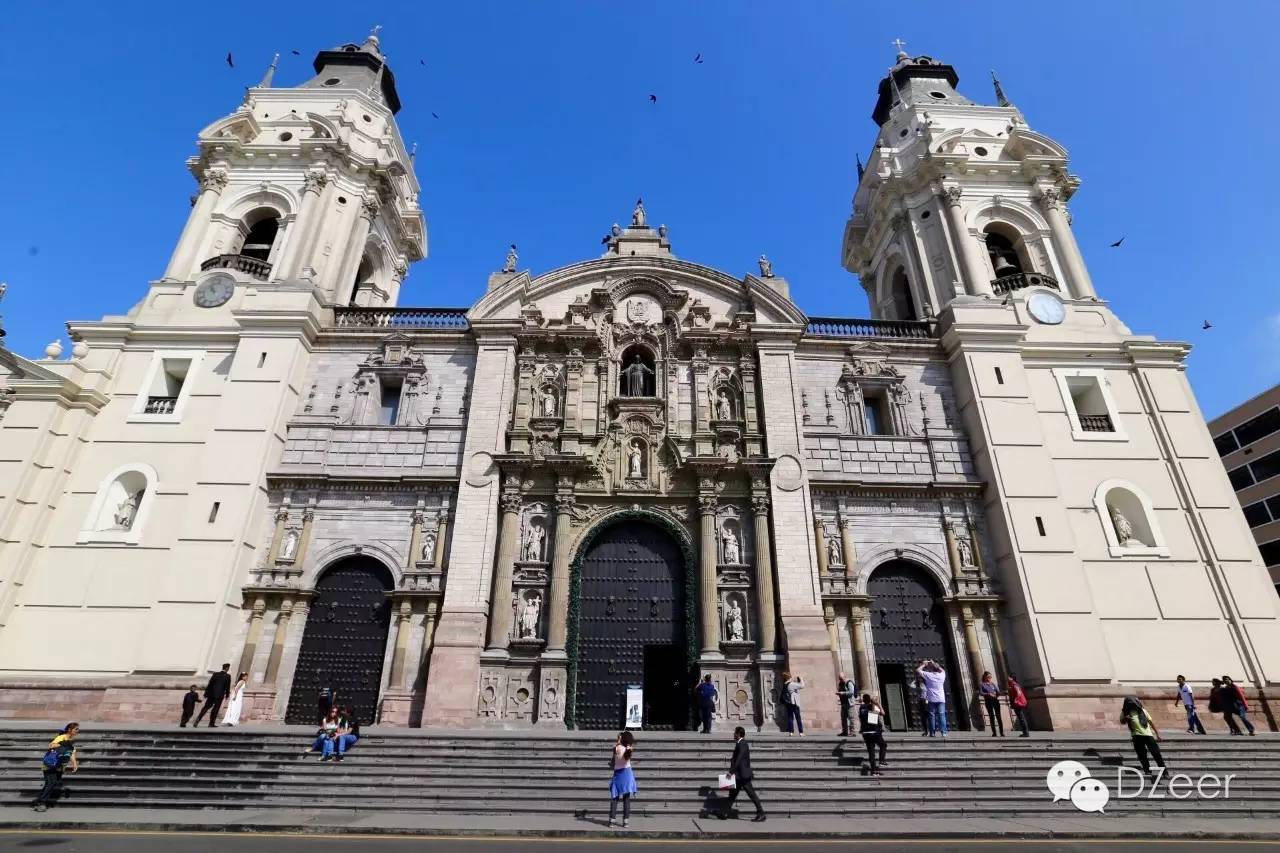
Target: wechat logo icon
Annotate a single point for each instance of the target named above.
(1071, 780)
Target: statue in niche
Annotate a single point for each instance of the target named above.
(1124, 529)
(289, 545)
(533, 539)
(732, 550)
(966, 551)
(639, 219)
(733, 627)
(835, 554)
(635, 459)
(428, 552)
(127, 511)
(548, 402)
(766, 267)
(529, 612)
(724, 408)
(635, 377)
(513, 257)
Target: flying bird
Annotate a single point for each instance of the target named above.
(230, 63)
(698, 59)
(1207, 325)
(1116, 244)
(422, 62)
(433, 115)
(296, 52)
(653, 99)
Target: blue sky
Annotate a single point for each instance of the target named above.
(546, 136)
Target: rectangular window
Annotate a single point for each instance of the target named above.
(1040, 525)
(877, 416)
(1258, 427)
(1226, 443)
(390, 401)
(1090, 404)
(999, 377)
(1273, 504)
(1266, 467)
(213, 512)
(1257, 514)
(1240, 477)
(166, 386)
(1270, 552)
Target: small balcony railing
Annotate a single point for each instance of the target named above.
(849, 327)
(401, 318)
(1018, 281)
(160, 405)
(255, 267)
(1096, 423)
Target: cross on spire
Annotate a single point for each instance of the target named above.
(899, 44)
(374, 32)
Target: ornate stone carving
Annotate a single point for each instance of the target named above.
(530, 610)
(732, 549)
(313, 182)
(1050, 198)
(488, 703)
(428, 551)
(370, 205)
(835, 553)
(289, 545)
(734, 629)
(1124, 529)
(214, 179)
(951, 194)
(513, 258)
(127, 511)
(639, 219)
(534, 546)
(766, 267)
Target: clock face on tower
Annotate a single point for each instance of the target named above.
(215, 291)
(1046, 308)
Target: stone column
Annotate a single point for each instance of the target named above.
(979, 281)
(396, 680)
(953, 551)
(976, 546)
(290, 266)
(858, 622)
(369, 207)
(846, 544)
(820, 545)
(557, 623)
(277, 642)
(707, 504)
(833, 636)
(251, 637)
(997, 644)
(1064, 240)
(767, 630)
(277, 535)
(415, 538)
(442, 532)
(508, 542)
(183, 263)
(971, 641)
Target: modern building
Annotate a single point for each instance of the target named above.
(1248, 439)
(631, 470)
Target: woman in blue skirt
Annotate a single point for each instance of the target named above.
(624, 781)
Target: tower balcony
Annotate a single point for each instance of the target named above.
(1018, 281)
(401, 318)
(851, 327)
(246, 264)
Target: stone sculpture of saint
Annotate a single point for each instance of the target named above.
(835, 555)
(966, 552)
(529, 617)
(635, 461)
(127, 511)
(732, 551)
(290, 545)
(766, 267)
(1124, 529)
(639, 219)
(548, 402)
(533, 543)
(724, 411)
(733, 627)
(428, 546)
(513, 257)
(634, 376)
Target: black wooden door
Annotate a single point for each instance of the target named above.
(344, 642)
(909, 624)
(632, 609)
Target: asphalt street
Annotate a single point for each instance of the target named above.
(160, 842)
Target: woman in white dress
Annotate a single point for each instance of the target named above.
(237, 701)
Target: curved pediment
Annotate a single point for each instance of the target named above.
(584, 294)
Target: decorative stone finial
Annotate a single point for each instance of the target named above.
(79, 349)
(53, 350)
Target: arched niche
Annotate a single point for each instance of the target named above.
(121, 505)
(637, 372)
(1128, 520)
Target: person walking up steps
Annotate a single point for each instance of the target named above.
(871, 724)
(847, 691)
(791, 688)
(935, 679)
(706, 694)
(1234, 698)
(1188, 701)
(60, 755)
(991, 698)
(623, 784)
(1018, 705)
(1218, 704)
(1143, 731)
(214, 693)
(189, 706)
(740, 769)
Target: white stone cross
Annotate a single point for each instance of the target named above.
(899, 44)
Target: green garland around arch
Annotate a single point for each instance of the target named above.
(575, 594)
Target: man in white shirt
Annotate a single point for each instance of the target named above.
(935, 679)
(1188, 700)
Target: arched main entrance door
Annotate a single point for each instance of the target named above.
(345, 640)
(909, 624)
(631, 629)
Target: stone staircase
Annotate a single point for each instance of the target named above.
(565, 774)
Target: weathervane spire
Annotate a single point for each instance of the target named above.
(1000, 96)
(269, 74)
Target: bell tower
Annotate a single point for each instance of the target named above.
(1110, 512)
(308, 187)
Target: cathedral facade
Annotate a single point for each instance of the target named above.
(600, 483)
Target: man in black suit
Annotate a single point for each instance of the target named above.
(214, 693)
(740, 767)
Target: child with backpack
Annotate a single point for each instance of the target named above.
(60, 754)
(1143, 731)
